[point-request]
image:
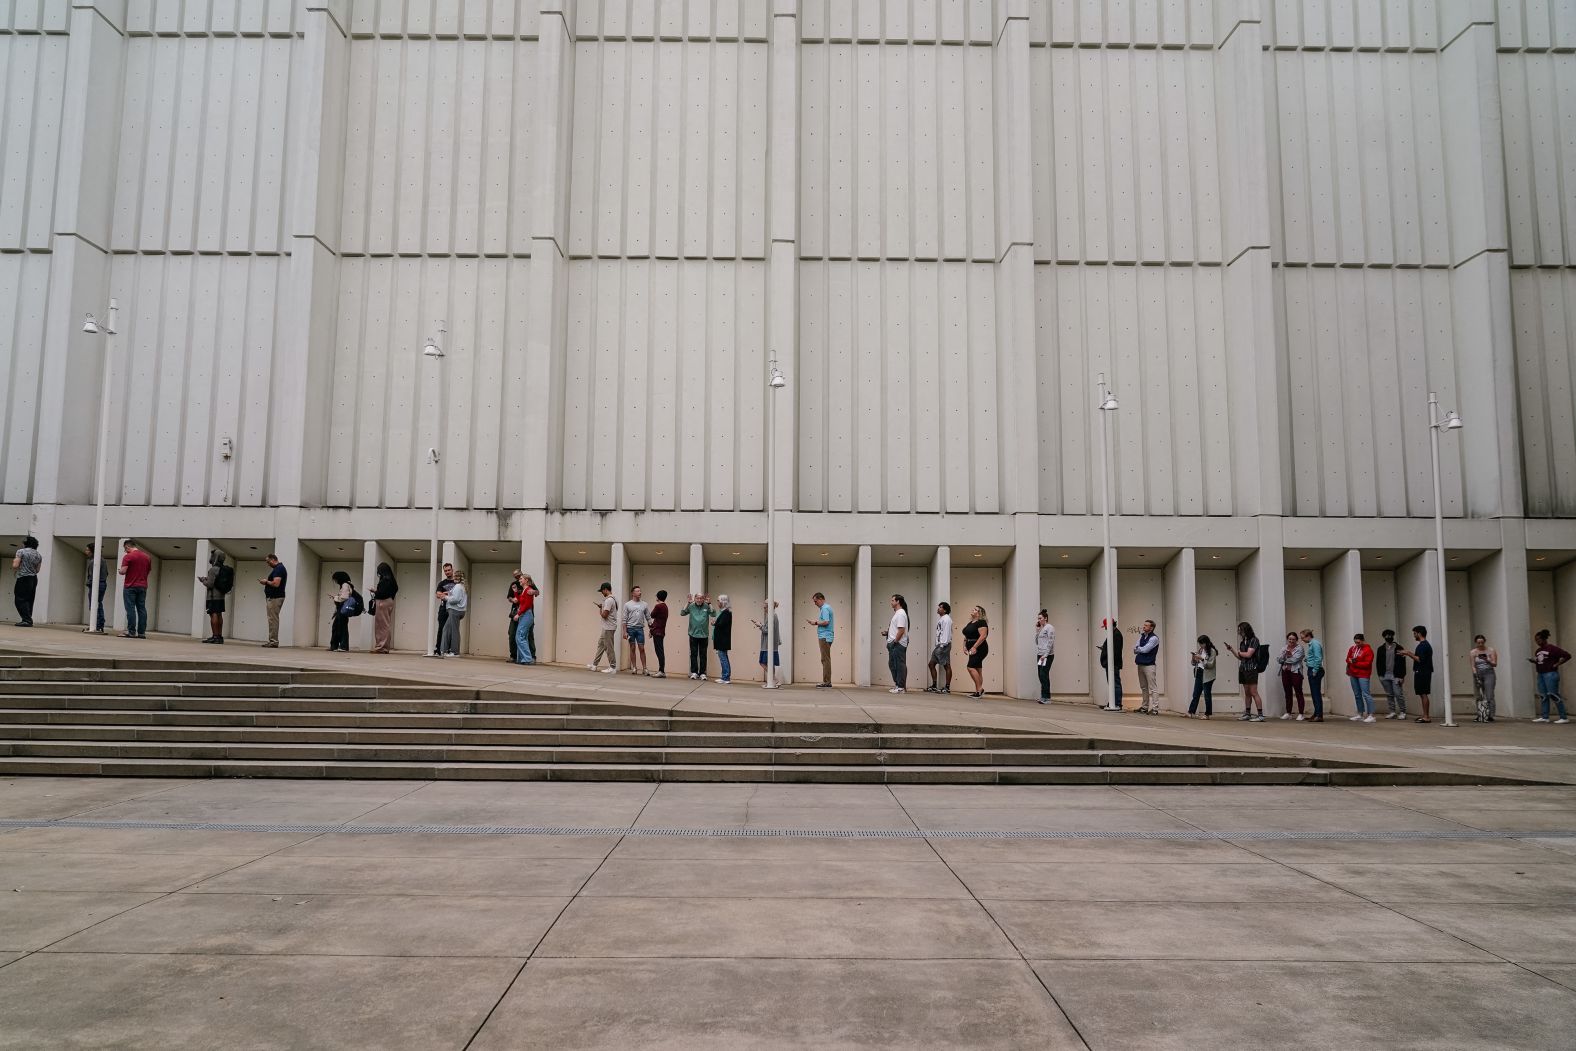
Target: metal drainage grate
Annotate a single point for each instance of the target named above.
(753, 833)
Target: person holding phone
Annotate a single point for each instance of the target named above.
(1247, 653)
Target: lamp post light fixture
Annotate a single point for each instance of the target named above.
(775, 383)
(92, 327)
(433, 352)
(1105, 406)
(1436, 423)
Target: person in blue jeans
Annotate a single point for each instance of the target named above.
(1548, 658)
(1313, 651)
(1359, 669)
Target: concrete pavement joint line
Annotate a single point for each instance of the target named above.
(1022, 956)
(782, 833)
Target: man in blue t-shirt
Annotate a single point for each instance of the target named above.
(274, 592)
(823, 636)
(1422, 654)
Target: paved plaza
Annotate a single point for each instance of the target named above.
(375, 915)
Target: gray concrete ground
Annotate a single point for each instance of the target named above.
(1173, 917)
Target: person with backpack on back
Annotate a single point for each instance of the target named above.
(219, 582)
(1254, 658)
(347, 603)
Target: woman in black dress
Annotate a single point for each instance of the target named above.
(976, 643)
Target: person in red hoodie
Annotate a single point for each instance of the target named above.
(1359, 668)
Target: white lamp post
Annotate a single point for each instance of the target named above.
(433, 352)
(107, 330)
(1436, 423)
(776, 383)
(1107, 405)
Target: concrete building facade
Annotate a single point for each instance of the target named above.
(1274, 225)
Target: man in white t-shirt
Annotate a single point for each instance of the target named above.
(636, 615)
(607, 610)
(896, 635)
(941, 649)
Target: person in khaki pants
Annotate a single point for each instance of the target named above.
(274, 592)
(824, 636)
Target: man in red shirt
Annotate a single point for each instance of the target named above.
(134, 567)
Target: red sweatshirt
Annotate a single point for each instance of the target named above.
(1360, 660)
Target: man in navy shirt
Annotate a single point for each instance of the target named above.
(274, 592)
(1422, 654)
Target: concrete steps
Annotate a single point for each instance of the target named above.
(73, 716)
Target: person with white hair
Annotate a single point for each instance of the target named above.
(722, 638)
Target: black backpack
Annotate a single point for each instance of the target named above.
(1261, 658)
(353, 606)
(224, 580)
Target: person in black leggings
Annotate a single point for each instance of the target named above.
(976, 643)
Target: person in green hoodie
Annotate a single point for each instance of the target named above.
(698, 609)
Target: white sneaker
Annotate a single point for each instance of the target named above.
(1540, 720)
(724, 682)
(1369, 719)
(896, 689)
(609, 671)
(592, 667)
(702, 678)
(1299, 718)
(1114, 708)
(1355, 718)
(1286, 716)
(1561, 719)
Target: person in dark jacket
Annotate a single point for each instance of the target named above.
(722, 637)
(1116, 640)
(217, 584)
(1390, 666)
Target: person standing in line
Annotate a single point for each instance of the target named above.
(384, 589)
(27, 563)
(722, 638)
(530, 629)
(339, 623)
(135, 565)
(659, 633)
(824, 634)
(218, 582)
(1291, 660)
(1144, 653)
(896, 634)
(1484, 661)
(1313, 657)
(1203, 661)
(976, 643)
(1251, 663)
(1422, 654)
(525, 621)
(105, 571)
(607, 611)
(1044, 652)
(770, 675)
(1112, 675)
(1547, 659)
(443, 607)
(1390, 665)
(636, 615)
(457, 600)
(273, 583)
(516, 585)
(698, 609)
(941, 650)
(1359, 669)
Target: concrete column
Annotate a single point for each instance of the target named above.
(545, 329)
(618, 576)
(1343, 617)
(1021, 593)
(115, 597)
(200, 593)
(697, 569)
(1017, 362)
(309, 296)
(1181, 629)
(1501, 602)
(863, 643)
(788, 603)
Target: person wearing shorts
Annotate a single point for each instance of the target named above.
(941, 650)
(636, 615)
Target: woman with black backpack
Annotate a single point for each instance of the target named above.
(1254, 658)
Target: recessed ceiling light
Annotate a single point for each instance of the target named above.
(1540, 558)
(979, 554)
(657, 552)
(582, 552)
(340, 549)
(738, 552)
(494, 550)
(176, 546)
(1064, 554)
(900, 554)
(254, 549)
(825, 553)
(1455, 558)
(1378, 558)
(1214, 556)
(1303, 558)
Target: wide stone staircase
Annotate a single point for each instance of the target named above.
(99, 716)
